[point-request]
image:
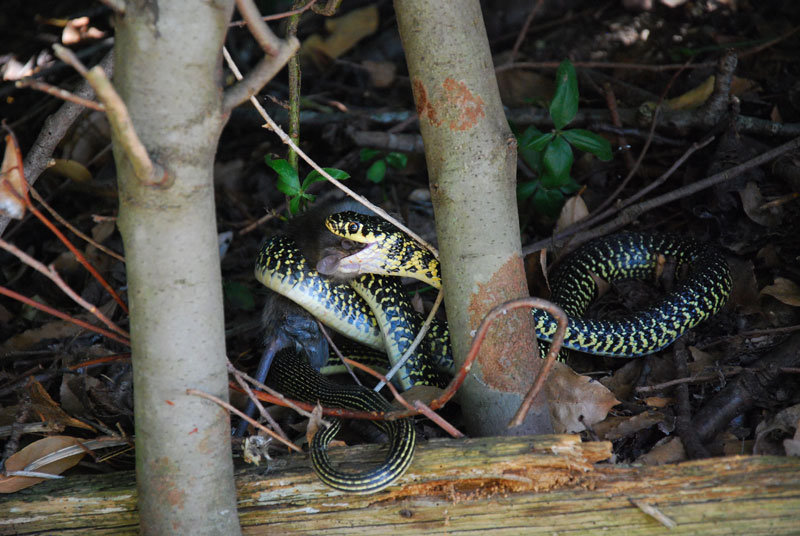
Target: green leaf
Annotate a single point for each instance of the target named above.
(589, 142)
(288, 181)
(294, 204)
(526, 189)
(238, 295)
(538, 143)
(316, 176)
(557, 161)
(368, 154)
(397, 160)
(377, 171)
(548, 202)
(570, 187)
(531, 157)
(564, 105)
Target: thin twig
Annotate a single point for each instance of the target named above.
(58, 314)
(277, 16)
(241, 414)
(524, 31)
(634, 211)
(276, 53)
(51, 274)
(80, 257)
(285, 139)
(338, 352)
(273, 393)
(438, 419)
(263, 412)
(603, 65)
(72, 228)
(147, 171)
(59, 93)
(381, 377)
(477, 342)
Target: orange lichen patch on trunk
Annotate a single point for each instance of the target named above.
(425, 108)
(506, 357)
(469, 106)
(458, 104)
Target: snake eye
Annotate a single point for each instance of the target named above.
(352, 228)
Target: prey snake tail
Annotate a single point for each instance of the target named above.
(283, 269)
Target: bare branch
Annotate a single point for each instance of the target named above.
(277, 53)
(147, 171)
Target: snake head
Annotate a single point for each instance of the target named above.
(386, 250)
(363, 245)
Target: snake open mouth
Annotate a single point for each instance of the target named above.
(344, 264)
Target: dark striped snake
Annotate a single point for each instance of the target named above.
(373, 310)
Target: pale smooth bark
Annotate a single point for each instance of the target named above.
(168, 57)
(471, 157)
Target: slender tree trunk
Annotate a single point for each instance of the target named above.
(471, 156)
(168, 72)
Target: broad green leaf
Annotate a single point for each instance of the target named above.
(589, 142)
(548, 202)
(526, 137)
(538, 143)
(288, 181)
(316, 176)
(570, 187)
(377, 171)
(397, 160)
(557, 161)
(531, 157)
(526, 189)
(368, 154)
(294, 204)
(564, 105)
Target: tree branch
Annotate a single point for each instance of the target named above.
(150, 173)
(277, 53)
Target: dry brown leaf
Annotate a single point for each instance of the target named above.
(702, 361)
(381, 73)
(627, 426)
(784, 290)
(50, 412)
(744, 296)
(13, 190)
(624, 379)
(668, 451)
(59, 329)
(33, 452)
(784, 423)
(314, 423)
(576, 401)
(78, 29)
(755, 207)
(694, 98)
(345, 33)
(424, 393)
(521, 87)
(657, 401)
(573, 210)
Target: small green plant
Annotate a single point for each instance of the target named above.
(289, 182)
(377, 171)
(549, 154)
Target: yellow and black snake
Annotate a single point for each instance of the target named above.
(386, 250)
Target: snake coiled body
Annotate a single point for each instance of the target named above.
(281, 268)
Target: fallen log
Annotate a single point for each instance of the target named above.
(512, 485)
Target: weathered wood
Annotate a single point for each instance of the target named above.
(511, 485)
